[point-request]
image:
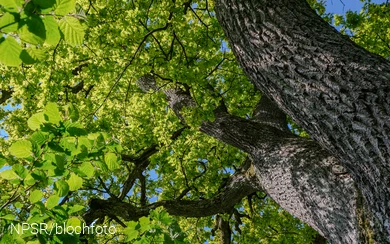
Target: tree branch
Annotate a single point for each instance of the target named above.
(5, 95)
(241, 184)
(141, 163)
(224, 227)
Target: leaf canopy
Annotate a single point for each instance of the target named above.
(79, 127)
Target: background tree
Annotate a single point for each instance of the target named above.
(131, 121)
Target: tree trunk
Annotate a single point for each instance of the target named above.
(337, 91)
(299, 175)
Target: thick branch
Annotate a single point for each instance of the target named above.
(298, 174)
(268, 112)
(224, 227)
(241, 185)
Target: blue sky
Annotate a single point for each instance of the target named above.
(341, 6)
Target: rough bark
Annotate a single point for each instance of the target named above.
(297, 173)
(338, 92)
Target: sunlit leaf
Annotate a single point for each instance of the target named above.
(53, 35)
(52, 114)
(111, 161)
(9, 22)
(21, 149)
(35, 196)
(61, 187)
(11, 5)
(10, 51)
(8, 174)
(35, 121)
(131, 231)
(63, 7)
(8, 217)
(33, 31)
(87, 169)
(72, 30)
(74, 222)
(75, 182)
(52, 201)
(32, 55)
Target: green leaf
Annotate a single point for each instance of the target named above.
(72, 30)
(75, 209)
(32, 55)
(60, 213)
(20, 170)
(53, 35)
(145, 224)
(39, 138)
(29, 180)
(75, 182)
(73, 221)
(35, 121)
(111, 161)
(87, 169)
(144, 240)
(131, 231)
(18, 205)
(11, 5)
(61, 187)
(33, 31)
(9, 22)
(10, 51)
(52, 114)
(68, 143)
(35, 196)
(52, 201)
(84, 141)
(64, 7)
(161, 216)
(101, 166)
(21, 149)
(8, 217)
(9, 174)
(73, 113)
(60, 160)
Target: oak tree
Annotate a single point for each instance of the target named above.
(136, 115)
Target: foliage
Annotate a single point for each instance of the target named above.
(74, 116)
(369, 28)
(28, 27)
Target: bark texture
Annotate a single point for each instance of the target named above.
(297, 173)
(338, 92)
